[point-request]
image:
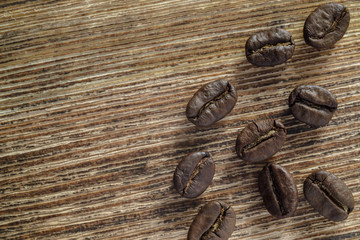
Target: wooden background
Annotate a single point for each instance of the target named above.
(92, 104)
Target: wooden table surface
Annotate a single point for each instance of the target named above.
(93, 97)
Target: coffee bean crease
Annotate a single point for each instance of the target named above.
(213, 101)
(333, 26)
(216, 224)
(260, 139)
(312, 104)
(267, 46)
(195, 172)
(328, 193)
(326, 25)
(270, 47)
(278, 191)
(275, 187)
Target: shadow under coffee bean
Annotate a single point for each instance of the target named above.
(328, 195)
(269, 48)
(216, 220)
(326, 25)
(194, 174)
(312, 105)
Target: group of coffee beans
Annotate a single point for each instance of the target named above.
(261, 139)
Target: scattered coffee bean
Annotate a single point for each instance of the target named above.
(278, 190)
(216, 220)
(194, 174)
(269, 48)
(312, 105)
(260, 140)
(328, 195)
(211, 103)
(326, 25)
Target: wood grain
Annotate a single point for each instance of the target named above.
(93, 96)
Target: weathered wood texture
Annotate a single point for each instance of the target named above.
(93, 95)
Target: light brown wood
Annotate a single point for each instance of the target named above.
(93, 96)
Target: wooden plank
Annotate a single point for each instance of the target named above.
(93, 96)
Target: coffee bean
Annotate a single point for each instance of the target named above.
(326, 25)
(278, 190)
(216, 220)
(328, 195)
(269, 48)
(194, 174)
(260, 140)
(312, 105)
(211, 103)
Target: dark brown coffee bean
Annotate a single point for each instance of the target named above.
(211, 103)
(269, 48)
(260, 140)
(326, 25)
(194, 174)
(328, 195)
(216, 220)
(278, 190)
(312, 105)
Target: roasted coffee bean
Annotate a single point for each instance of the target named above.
(211, 103)
(216, 221)
(260, 140)
(278, 190)
(312, 105)
(326, 25)
(328, 195)
(269, 48)
(194, 174)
